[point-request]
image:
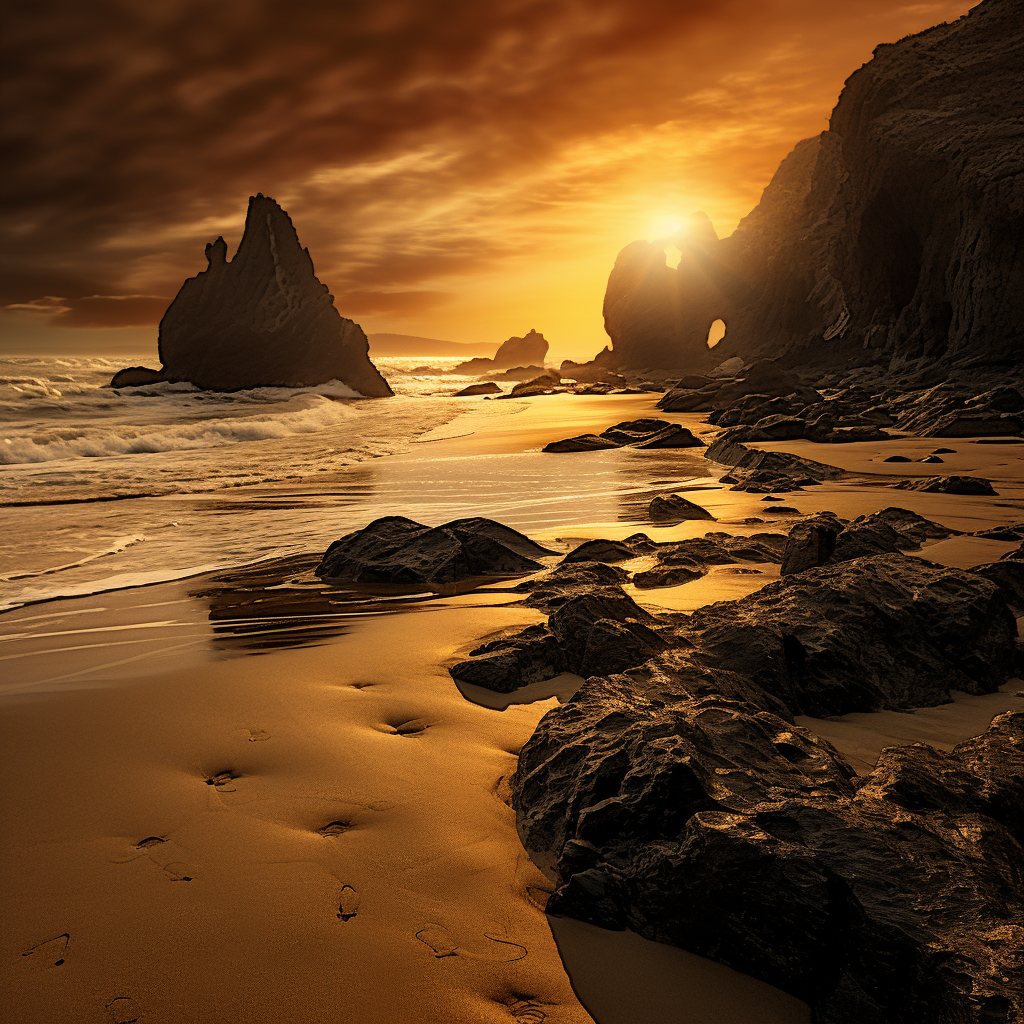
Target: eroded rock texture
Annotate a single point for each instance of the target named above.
(718, 827)
(263, 318)
(529, 350)
(894, 237)
(395, 550)
(679, 800)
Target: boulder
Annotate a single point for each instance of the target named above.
(809, 544)
(720, 828)
(600, 551)
(263, 318)
(136, 376)
(580, 443)
(398, 551)
(489, 388)
(673, 508)
(529, 656)
(949, 485)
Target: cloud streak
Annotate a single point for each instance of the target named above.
(428, 150)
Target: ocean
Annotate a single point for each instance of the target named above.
(104, 489)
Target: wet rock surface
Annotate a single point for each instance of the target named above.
(643, 433)
(826, 539)
(716, 826)
(949, 485)
(399, 551)
(674, 508)
(262, 318)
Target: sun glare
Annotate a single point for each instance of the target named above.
(665, 227)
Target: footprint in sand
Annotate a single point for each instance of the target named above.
(443, 943)
(334, 828)
(49, 953)
(526, 1011)
(222, 781)
(250, 735)
(349, 906)
(179, 872)
(124, 1010)
(411, 728)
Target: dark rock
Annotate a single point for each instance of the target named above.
(490, 388)
(890, 530)
(263, 318)
(667, 575)
(600, 551)
(1008, 576)
(672, 436)
(725, 449)
(890, 239)
(949, 485)
(717, 827)
(396, 550)
(507, 664)
(556, 587)
(136, 376)
(527, 351)
(899, 458)
(673, 508)
(604, 628)
(931, 458)
(881, 632)
(1017, 554)
(809, 545)
(581, 443)
(944, 451)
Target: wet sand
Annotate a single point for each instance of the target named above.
(216, 814)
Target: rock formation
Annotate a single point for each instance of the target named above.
(677, 798)
(399, 551)
(527, 351)
(894, 237)
(261, 319)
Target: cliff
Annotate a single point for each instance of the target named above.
(261, 319)
(895, 236)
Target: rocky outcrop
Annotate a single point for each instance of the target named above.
(526, 351)
(398, 551)
(718, 827)
(263, 318)
(678, 799)
(825, 539)
(645, 433)
(894, 237)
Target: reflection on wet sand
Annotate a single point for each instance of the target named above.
(282, 603)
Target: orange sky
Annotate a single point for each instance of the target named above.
(458, 170)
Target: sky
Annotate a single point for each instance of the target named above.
(459, 169)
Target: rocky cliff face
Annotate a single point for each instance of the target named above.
(897, 235)
(262, 318)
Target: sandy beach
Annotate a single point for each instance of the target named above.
(225, 814)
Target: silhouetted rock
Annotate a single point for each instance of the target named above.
(645, 433)
(580, 443)
(136, 376)
(396, 550)
(263, 318)
(528, 351)
(890, 239)
(809, 545)
(490, 388)
(566, 579)
(718, 827)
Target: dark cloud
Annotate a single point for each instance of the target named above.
(413, 141)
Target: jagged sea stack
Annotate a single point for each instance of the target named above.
(262, 319)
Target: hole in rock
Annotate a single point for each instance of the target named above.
(716, 333)
(672, 256)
